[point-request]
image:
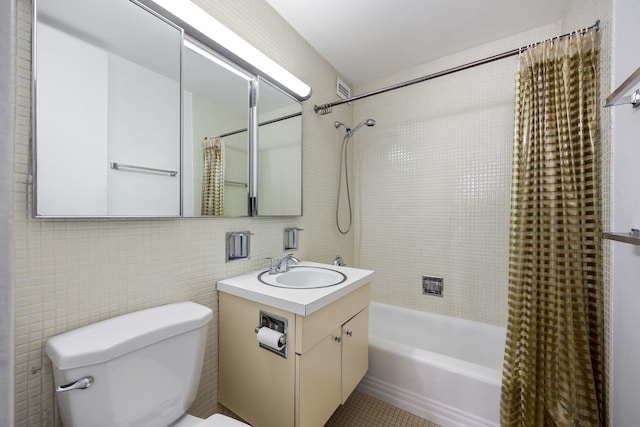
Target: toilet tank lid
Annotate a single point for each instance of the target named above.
(111, 338)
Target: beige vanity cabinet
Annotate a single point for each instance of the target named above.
(327, 358)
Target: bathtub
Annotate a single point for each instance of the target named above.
(444, 369)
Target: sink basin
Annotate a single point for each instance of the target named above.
(303, 277)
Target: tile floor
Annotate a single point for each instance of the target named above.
(362, 410)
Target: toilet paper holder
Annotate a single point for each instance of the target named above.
(278, 324)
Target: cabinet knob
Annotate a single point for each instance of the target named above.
(350, 333)
(338, 339)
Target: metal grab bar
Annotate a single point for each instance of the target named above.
(120, 166)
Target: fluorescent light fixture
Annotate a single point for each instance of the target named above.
(194, 18)
(208, 55)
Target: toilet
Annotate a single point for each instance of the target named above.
(140, 369)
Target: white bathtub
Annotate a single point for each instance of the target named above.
(445, 369)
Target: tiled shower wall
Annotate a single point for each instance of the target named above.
(432, 179)
(70, 273)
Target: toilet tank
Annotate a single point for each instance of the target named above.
(145, 367)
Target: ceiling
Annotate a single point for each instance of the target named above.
(365, 39)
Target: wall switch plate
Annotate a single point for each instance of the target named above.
(433, 286)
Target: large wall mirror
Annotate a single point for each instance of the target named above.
(133, 118)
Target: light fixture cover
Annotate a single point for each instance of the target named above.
(197, 23)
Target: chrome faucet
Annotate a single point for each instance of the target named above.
(281, 266)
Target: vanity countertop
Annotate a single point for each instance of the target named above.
(298, 301)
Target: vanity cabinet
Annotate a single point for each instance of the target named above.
(327, 358)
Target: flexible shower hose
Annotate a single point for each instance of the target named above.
(344, 157)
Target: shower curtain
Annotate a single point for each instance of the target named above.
(554, 373)
(213, 177)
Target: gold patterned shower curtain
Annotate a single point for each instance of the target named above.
(554, 357)
(213, 177)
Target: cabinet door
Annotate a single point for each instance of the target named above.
(355, 352)
(319, 382)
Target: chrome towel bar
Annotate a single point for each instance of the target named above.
(120, 166)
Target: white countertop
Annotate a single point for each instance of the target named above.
(299, 301)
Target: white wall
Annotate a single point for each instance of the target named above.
(279, 162)
(626, 215)
(7, 61)
(72, 87)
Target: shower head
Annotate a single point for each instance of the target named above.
(368, 122)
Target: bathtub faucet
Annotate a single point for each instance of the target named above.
(281, 266)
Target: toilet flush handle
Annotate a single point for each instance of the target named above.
(82, 384)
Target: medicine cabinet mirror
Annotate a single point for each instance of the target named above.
(216, 119)
(129, 109)
(107, 110)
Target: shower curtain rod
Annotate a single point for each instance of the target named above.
(327, 108)
(268, 122)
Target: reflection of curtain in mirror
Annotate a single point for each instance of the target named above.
(213, 177)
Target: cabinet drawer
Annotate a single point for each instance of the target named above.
(310, 330)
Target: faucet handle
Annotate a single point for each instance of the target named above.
(273, 265)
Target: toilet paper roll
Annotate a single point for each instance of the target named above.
(270, 338)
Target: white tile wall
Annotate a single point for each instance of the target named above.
(433, 183)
